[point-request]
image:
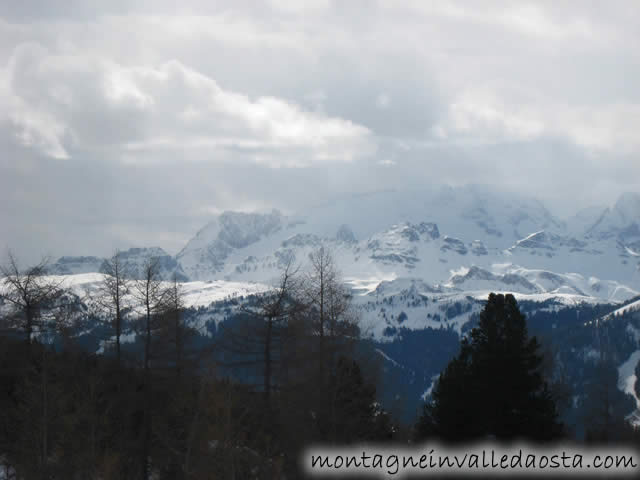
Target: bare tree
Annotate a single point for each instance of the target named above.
(151, 293)
(334, 330)
(341, 318)
(30, 293)
(111, 295)
(276, 307)
(37, 308)
(177, 333)
(256, 340)
(320, 279)
(329, 302)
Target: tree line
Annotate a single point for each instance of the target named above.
(286, 371)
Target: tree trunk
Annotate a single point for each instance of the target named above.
(118, 332)
(29, 325)
(191, 437)
(178, 345)
(322, 326)
(147, 390)
(147, 343)
(267, 361)
(45, 414)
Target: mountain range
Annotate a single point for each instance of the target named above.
(420, 264)
(452, 239)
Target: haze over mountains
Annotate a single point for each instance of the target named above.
(462, 238)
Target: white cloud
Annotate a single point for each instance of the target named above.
(485, 117)
(306, 7)
(58, 102)
(522, 18)
(481, 117)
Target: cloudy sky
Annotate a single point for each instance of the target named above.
(132, 123)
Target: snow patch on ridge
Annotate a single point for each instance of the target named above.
(627, 381)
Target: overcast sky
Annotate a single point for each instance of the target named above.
(131, 123)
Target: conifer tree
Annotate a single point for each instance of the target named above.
(494, 387)
(355, 413)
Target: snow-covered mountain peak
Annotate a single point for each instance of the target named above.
(583, 220)
(206, 253)
(477, 278)
(135, 260)
(621, 222)
(468, 212)
(418, 233)
(539, 239)
(72, 265)
(503, 213)
(399, 244)
(627, 208)
(239, 229)
(427, 235)
(549, 243)
(404, 285)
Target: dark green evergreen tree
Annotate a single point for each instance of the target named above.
(494, 387)
(636, 387)
(354, 414)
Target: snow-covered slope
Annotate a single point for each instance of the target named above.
(86, 286)
(443, 242)
(628, 308)
(70, 265)
(136, 258)
(471, 212)
(622, 222)
(627, 382)
(206, 254)
(585, 219)
(427, 234)
(449, 241)
(133, 258)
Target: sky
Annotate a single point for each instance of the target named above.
(133, 123)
